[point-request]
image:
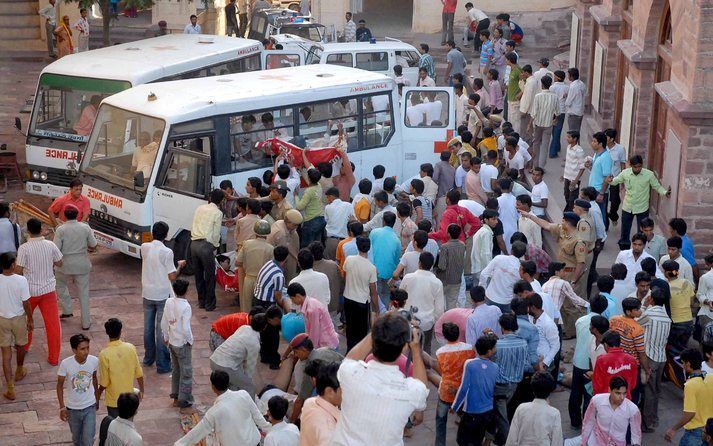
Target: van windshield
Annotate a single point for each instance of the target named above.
(66, 106)
(123, 146)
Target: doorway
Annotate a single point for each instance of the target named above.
(390, 18)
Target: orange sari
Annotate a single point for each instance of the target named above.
(64, 40)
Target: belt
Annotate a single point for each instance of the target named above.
(334, 236)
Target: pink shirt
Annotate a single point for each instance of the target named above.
(319, 419)
(84, 126)
(458, 316)
(82, 203)
(318, 324)
(605, 426)
(496, 94)
(473, 188)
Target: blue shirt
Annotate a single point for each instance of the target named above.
(483, 316)
(350, 249)
(581, 347)
(613, 307)
(511, 356)
(527, 331)
(601, 168)
(687, 250)
(387, 251)
(475, 394)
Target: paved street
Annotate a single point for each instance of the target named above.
(115, 291)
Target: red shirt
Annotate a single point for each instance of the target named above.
(227, 325)
(460, 216)
(614, 363)
(81, 203)
(449, 6)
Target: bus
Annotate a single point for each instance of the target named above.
(156, 151)
(70, 90)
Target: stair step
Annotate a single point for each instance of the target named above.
(15, 7)
(19, 33)
(19, 20)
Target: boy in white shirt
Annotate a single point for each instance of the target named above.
(176, 328)
(540, 192)
(282, 433)
(80, 410)
(15, 320)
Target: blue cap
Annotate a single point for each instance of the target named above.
(571, 217)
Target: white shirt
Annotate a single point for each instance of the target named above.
(531, 230)
(416, 114)
(482, 252)
(460, 176)
(618, 156)
(376, 403)
(573, 162)
(37, 257)
(7, 235)
(123, 432)
(190, 29)
(239, 351)
(337, 215)
(78, 376)
(283, 434)
(487, 172)
(409, 260)
(431, 246)
(428, 82)
(234, 418)
(634, 266)
(705, 293)
(156, 265)
(316, 284)
(473, 207)
(508, 216)
(425, 292)
(176, 322)
(596, 213)
(575, 98)
(528, 94)
(684, 268)
(14, 290)
(560, 89)
(539, 192)
(476, 15)
(461, 102)
(516, 162)
(359, 273)
(549, 343)
(433, 111)
(502, 272)
(49, 13)
(535, 424)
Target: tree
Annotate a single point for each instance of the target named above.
(107, 16)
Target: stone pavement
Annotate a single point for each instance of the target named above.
(115, 290)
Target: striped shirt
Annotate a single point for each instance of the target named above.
(632, 335)
(511, 357)
(544, 108)
(656, 325)
(37, 258)
(270, 280)
(574, 162)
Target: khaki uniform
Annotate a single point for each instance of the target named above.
(244, 229)
(571, 251)
(280, 209)
(281, 236)
(252, 256)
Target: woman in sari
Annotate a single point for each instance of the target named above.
(64, 38)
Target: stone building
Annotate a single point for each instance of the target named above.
(649, 72)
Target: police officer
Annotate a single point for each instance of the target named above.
(572, 251)
(251, 257)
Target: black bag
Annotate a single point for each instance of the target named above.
(104, 429)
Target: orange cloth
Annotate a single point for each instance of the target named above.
(226, 325)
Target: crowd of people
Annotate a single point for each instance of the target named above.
(441, 282)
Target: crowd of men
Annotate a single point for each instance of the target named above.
(442, 281)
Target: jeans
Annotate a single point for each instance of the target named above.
(692, 437)
(154, 348)
(603, 207)
(202, 254)
(679, 335)
(384, 292)
(570, 195)
(82, 424)
(49, 29)
(502, 395)
(447, 24)
(243, 24)
(556, 143)
(627, 220)
(472, 428)
(578, 398)
(214, 340)
(441, 422)
(182, 377)
(312, 231)
(504, 308)
(652, 392)
(53, 330)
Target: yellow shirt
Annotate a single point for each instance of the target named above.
(206, 224)
(362, 210)
(118, 367)
(681, 295)
(698, 399)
